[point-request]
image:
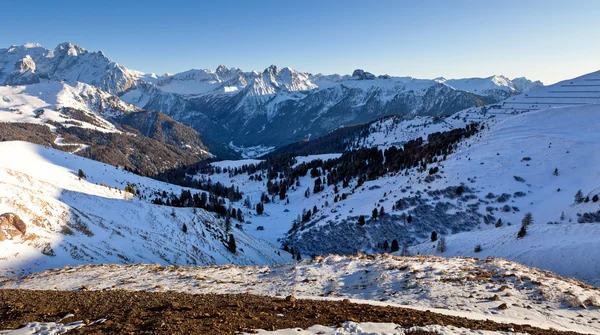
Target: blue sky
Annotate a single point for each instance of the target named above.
(547, 40)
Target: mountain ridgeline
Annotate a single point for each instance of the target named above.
(272, 108)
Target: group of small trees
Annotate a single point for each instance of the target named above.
(294, 253)
(579, 198)
(394, 247)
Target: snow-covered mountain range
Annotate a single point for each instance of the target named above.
(281, 105)
(269, 108)
(405, 163)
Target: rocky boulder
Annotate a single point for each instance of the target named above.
(11, 226)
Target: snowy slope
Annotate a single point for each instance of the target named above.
(577, 91)
(31, 63)
(466, 287)
(43, 102)
(570, 250)
(529, 146)
(496, 86)
(71, 221)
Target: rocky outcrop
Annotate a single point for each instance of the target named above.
(24, 73)
(11, 226)
(363, 75)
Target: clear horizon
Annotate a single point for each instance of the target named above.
(541, 40)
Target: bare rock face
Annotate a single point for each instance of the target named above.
(11, 226)
(24, 73)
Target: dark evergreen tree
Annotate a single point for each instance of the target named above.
(374, 215)
(522, 232)
(260, 208)
(527, 219)
(579, 197)
(231, 244)
(361, 220)
(228, 223)
(433, 236)
(386, 245)
(282, 194)
(395, 247)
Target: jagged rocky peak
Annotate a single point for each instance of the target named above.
(222, 69)
(70, 49)
(363, 75)
(273, 69)
(25, 64)
(24, 72)
(524, 85)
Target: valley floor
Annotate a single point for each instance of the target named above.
(122, 312)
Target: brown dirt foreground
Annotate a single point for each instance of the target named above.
(181, 313)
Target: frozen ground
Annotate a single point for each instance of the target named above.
(371, 328)
(492, 289)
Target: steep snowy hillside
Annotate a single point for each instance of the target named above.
(490, 289)
(567, 249)
(80, 105)
(95, 124)
(532, 162)
(63, 219)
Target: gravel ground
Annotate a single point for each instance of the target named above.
(180, 313)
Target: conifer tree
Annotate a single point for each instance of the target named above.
(231, 244)
(395, 247)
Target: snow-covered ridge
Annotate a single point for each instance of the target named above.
(467, 287)
(255, 108)
(31, 63)
(275, 80)
(43, 102)
(70, 220)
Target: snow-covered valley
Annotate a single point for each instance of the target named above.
(475, 198)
